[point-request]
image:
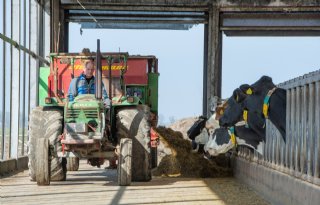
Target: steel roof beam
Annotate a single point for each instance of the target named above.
(271, 24)
(119, 25)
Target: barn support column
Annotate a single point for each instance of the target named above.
(39, 43)
(46, 30)
(34, 46)
(59, 29)
(55, 29)
(205, 68)
(214, 59)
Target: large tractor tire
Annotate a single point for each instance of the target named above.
(125, 162)
(133, 123)
(46, 123)
(43, 161)
(73, 164)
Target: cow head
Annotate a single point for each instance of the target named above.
(219, 143)
(253, 103)
(233, 109)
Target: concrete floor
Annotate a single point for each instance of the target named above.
(92, 185)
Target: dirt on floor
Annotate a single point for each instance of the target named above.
(182, 161)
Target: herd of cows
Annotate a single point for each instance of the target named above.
(241, 119)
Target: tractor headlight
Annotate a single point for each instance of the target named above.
(48, 100)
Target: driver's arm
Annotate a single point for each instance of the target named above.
(72, 92)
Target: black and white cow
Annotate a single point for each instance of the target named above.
(251, 99)
(220, 142)
(207, 129)
(197, 127)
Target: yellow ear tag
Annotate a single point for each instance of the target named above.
(249, 91)
(245, 115)
(237, 98)
(233, 139)
(221, 112)
(265, 110)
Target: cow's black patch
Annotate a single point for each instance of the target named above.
(222, 136)
(197, 127)
(248, 135)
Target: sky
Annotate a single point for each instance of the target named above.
(180, 62)
(180, 54)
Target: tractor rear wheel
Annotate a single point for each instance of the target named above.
(46, 123)
(125, 162)
(72, 164)
(133, 123)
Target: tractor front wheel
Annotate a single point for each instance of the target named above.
(124, 162)
(43, 162)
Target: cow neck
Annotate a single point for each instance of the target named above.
(266, 100)
(277, 114)
(246, 139)
(233, 136)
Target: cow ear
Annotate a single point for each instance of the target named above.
(235, 95)
(219, 112)
(247, 89)
(238, 95)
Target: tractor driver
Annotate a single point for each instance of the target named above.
(84, 84)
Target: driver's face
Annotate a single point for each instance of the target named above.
(89, 69)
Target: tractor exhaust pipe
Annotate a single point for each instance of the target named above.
(98, 73)
(110, 78)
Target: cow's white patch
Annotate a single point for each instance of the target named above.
(242, 142)
(260, 148)
(203, 137)
(214, 149)
(212, 124)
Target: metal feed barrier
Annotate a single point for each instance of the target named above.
(296, 162)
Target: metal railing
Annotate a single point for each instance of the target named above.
(21, 51)
(23, 48)
(299, 156)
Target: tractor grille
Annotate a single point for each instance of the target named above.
(87, 113)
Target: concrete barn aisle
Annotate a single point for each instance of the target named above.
(92, 185)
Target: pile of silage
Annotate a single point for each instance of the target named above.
(181, 161)
(183, 125)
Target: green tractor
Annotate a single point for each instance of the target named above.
(62, 132)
